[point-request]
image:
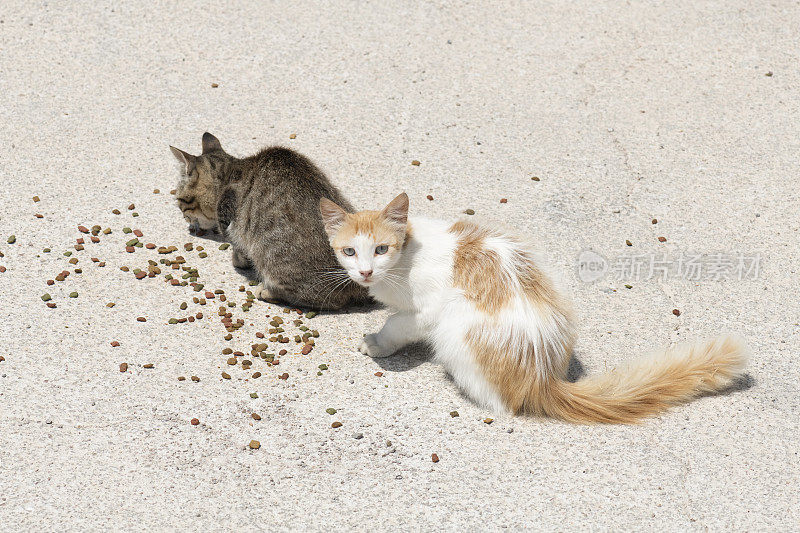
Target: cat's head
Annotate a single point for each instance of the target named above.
(200, 182)
(368, 243)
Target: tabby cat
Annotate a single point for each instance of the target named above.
(480, 295)
(266, 206)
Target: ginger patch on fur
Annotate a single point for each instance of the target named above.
(477, 270)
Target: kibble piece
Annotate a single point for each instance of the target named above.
(534, 178)
(225, 375)
(123, 367)
(676, 312)
(488, 420)
(662, 239)
(434, 458)
(330, 411)
(148, 365)
(181, 378)
(224, 246)
(628, 243)
(131, 207)
(195, 421)
(12, 239)
(323, 366)
(256, 416)
(254, 395)
(415, 163)
(114, 343)
(195, 379)
(469, 211)
(141, 319)
(254, 445)
(46, 297)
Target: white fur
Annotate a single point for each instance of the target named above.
(418, 284)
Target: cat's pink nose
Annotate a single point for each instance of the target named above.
(365, 273)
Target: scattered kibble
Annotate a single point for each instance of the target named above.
(535, 178)
(628, 243)
(469, 211)
(256, 416)
(35, 198)
(676, 312)
(503, 200)
(488, 420)
(148, 365)
(336, 425)
(662, 239)
(254, 445)
(224, 246)
(195, 421)
(46, 297)
(293, 136)
(415, 163)
(114, 343)
(434, 458)
(12, 239)
(454, 414)
(654, 221)
(429, 197)
(123, 367)
(330, 411)
(225, 375)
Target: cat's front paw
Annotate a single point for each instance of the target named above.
(262, 293)
(371, 347)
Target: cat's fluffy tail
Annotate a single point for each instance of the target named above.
(646, 387)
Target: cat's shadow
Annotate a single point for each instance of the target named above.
(413, 355)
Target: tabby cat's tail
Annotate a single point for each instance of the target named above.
(646, 387)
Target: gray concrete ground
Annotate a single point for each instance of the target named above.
(684, 112)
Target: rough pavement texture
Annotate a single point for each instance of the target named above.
(625, 111)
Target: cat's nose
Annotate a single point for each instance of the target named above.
(365, 273)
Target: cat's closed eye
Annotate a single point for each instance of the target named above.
(349, 251)
(381, 249)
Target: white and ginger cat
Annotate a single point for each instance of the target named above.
(498, 324)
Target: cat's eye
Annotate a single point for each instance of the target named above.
(381, 249)
(349, 251)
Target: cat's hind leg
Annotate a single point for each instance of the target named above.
(400, 329)
(240, 259)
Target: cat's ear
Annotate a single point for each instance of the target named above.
(187, 159)
(332, 216)
(210, 143)
(397, 210)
